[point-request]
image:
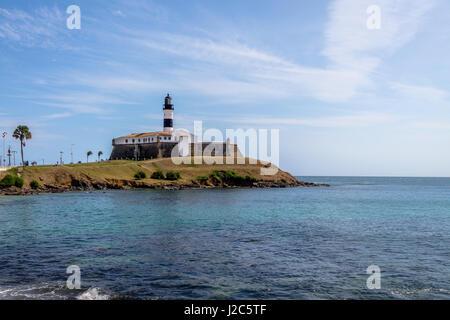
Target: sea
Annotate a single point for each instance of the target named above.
(360, 238)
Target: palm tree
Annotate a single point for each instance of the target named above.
(99, 155)
(22, 133)
(88, 155)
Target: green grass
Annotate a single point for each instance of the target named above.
(101, 164)
(13, 171)
(120, 171)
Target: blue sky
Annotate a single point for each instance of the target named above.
(347, 100)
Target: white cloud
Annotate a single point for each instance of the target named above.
(353, 51)
(231, 69)
(77, 102)
(75, 107)
(58, 115)
(432, 125)
(118, 13)
(79, 97)
(236, 72)
(119, 83)
(419, 92)
(39, 28)
(351, 46)
(347, 121)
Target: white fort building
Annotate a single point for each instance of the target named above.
(159, 144)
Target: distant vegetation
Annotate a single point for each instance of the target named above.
(22, 133)
(227, 177)
(158, 175)
(202, 179)
(121, 174)
(34, 184)
(88, 154)
(10, 181)
(140, 175)
(170, 175)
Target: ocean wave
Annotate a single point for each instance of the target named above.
(424, 292)
(48, 291)
(93, 294)
(42, 291)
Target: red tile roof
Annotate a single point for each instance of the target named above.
(148, 134)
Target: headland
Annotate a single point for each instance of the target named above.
(150, 174)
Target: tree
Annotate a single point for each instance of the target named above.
(23, 134)
(88, 155)
(99, 155)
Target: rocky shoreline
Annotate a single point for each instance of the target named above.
(77, 185)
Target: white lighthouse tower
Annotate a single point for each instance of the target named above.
(168, 114)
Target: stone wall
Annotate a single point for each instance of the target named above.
(164, 150)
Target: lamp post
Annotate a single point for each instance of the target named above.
(4, 134)
(9, 156)
(14, 155)
(71, 154)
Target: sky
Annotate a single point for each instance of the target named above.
(348, 99)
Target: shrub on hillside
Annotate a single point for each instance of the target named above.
(230, 177)
(170, 175)
(19, 182)
(8, 181)
(34, 184)
(140, 175)
(202, 179)
(158, 175)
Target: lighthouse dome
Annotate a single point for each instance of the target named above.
(168, 100)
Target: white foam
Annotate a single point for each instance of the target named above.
(31, 292)
(92, 294)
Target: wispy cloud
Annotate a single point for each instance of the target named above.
(77, 102)
(434, 125)
(118, 13)
(58, 115)
(423, 93)
(347, 121)
(38, 28)
(255, 73)
(353, 51)
(233, 70)
(75, 107)
(351, 46)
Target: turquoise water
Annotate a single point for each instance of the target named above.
(295, 243)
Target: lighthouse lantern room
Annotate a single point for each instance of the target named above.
(168, 114)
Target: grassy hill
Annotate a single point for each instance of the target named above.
(121, 174)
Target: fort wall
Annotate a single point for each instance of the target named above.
(164, 150)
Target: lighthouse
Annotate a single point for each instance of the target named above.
(168, 114)
(160, 144)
